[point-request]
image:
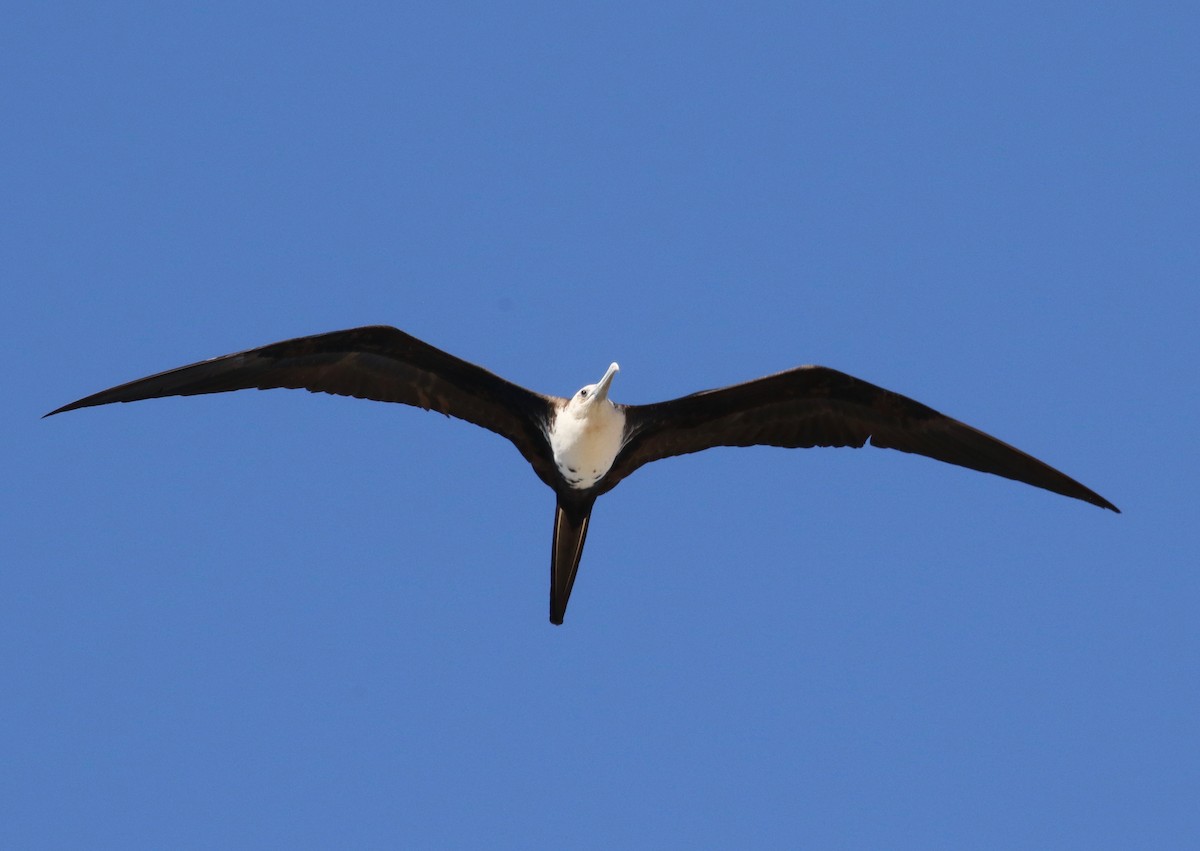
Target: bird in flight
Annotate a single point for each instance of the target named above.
(583, 446)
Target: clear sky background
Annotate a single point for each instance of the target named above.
(278, 619)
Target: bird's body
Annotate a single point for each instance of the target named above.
(586, 434)
(583, 446)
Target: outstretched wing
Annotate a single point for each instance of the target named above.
(374, 362)
(817, 406)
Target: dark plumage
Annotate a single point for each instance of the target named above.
(801, 407)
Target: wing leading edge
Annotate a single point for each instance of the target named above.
(374, 362)
(818, 406)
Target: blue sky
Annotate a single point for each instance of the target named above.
(277, 619)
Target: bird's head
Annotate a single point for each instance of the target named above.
(593, 396)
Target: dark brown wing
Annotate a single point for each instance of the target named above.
(376, 362)
(817, 406)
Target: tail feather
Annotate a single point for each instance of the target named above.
(570, 531)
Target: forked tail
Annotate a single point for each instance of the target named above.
(570, 531)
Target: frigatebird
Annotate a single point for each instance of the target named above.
(583, 446)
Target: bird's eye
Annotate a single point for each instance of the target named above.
(583, 393)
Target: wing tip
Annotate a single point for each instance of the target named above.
(1086, 494)
(86, 402)
(71, 407)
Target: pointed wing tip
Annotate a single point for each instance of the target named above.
(1093, 498)
(556, 618)
(61, 410)
(86, 402)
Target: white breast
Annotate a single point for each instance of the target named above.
(585, 447)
